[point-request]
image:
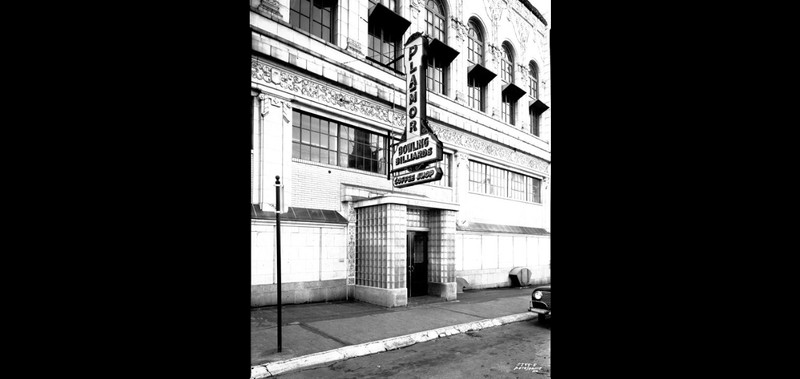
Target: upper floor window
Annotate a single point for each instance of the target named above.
(475, 89)
(507, 65)
(507, 109)
(535, 119)
(533, 74)
(496, 181)
(313, 16)
(508, 106)
(385, 43)
(435, 27)
(475, 44)
(434, 20)
(326, 141)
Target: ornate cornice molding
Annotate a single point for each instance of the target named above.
(313, 90)
(479, 145)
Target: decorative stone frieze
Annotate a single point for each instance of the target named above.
(308, 88)
(453, 137)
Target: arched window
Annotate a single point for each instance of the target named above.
(507, 65)
(475, 90)
(534, 78)
(435, 26)
(508, 105)
(475, 44)
(435, 20)
(313, 16)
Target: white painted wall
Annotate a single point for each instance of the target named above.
(308, 253)
(485, 259)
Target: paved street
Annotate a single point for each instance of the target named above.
(516, 350)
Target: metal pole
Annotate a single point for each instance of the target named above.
(278, 235)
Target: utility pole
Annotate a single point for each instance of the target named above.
(278, 235)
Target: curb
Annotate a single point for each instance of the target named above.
(367, 348)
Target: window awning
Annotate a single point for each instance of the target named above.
(497, 228)
(389, 20)
(513, 91)
(481, 73)
(299, 214)
(538, 106)
(441, 51)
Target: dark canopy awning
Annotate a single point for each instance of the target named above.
(299, 214)
(497, 228)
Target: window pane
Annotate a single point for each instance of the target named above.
(315, 138)
(305, 152)
(315, 154)
(306, 136)
(306, 120)
(323, 156)
(314, 124)
(295, 134)
(304, 23)
(295, 118)
(295, 150)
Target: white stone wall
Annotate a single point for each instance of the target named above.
(485, 259)
(308, 253)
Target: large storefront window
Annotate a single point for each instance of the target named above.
(499, 182)
(326, 141)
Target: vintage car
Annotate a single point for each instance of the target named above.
(540, 301)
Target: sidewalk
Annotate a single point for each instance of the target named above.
(346, 329)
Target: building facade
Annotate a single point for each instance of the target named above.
(328, 100)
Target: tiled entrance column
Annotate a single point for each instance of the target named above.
(442, 254)
(381, 255)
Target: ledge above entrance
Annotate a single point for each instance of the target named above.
(406, 200)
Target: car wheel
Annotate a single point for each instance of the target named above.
(542, 317)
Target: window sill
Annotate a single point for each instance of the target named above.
(330, 166)
(375, 63)
(503, 198)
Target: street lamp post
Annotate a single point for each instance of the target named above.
(278, 235)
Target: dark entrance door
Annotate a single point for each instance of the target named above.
(417, 263)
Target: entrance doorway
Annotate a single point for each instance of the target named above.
(417, 263)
